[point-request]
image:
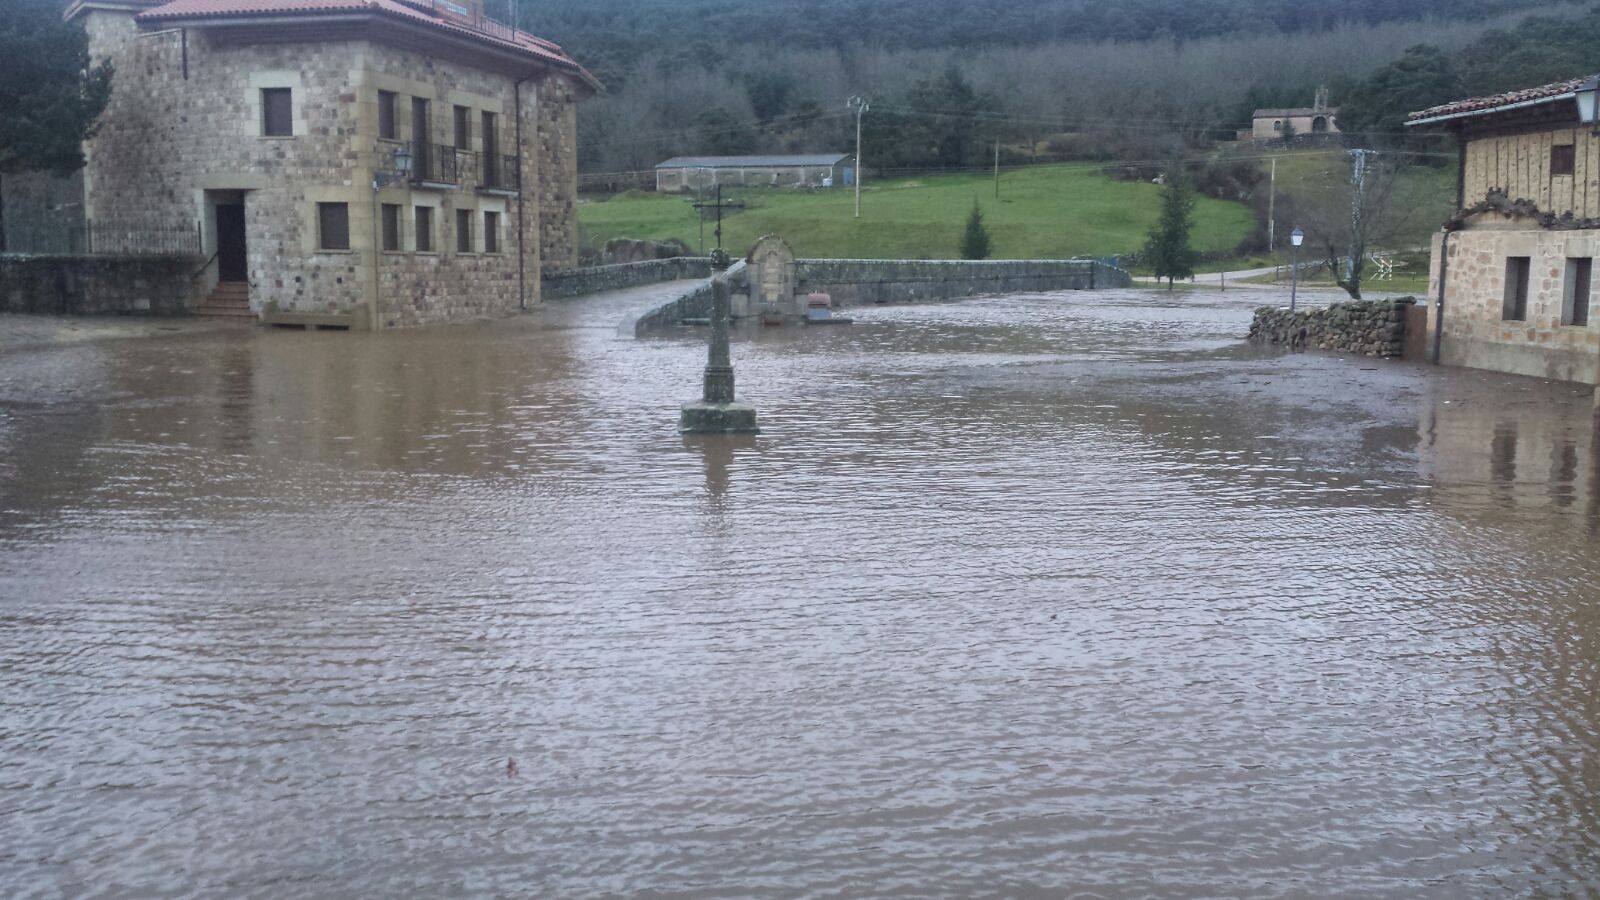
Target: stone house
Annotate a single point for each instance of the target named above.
(691, 173)
(1317, 119)
(279, 131)
(1512, 273)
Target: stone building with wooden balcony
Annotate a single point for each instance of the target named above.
(345, 163)
(1512, 280)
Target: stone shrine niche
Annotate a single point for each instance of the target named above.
(772, 277)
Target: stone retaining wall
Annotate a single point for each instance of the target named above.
(859, 281)
(595, 279)
(1367, 327)
(693, 303)
(94, 285)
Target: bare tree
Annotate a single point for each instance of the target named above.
(1358, 207)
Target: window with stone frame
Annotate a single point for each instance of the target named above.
(421, 124)
(333, 226)
(1514, 305)
(1563, 159)
(388, 115)
(463, 231)
(491, 232)
(391, 227)
(424, 226)
(1576, 288)
(491, 136)
(463, 128)
(277, 112)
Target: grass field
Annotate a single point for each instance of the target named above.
(1043, 213)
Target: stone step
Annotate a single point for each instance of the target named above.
(224, 312)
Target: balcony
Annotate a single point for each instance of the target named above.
(467, 14)
(443, 167)
(436, 165)
(498, 173)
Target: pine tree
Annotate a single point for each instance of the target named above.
(1167, 247)
(975, 242)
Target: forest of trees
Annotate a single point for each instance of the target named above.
(1112, 80)
(1539, 50)
(611, 33)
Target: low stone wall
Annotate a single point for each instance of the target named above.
(693, 303)
(595, 279)
(858, 281)
(97, 285)
(1368, 327)
(854, 282)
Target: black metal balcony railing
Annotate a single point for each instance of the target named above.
(498, 172)
(435, 163)
(466, 15)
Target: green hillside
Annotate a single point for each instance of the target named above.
(1043, 213)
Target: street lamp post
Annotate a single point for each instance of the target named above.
(1588, 97)
(1296, 238)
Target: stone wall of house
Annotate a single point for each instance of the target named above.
(1368, 327)
(166, 140)
(594, 279)
(857, 281)
(1304, 124)
(557, 149)
(1476, 332)
(96, 285)
(444, 284)
(171, 148)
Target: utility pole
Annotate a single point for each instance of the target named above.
(1272, 209)
(997, 169)
(1358, 202)
(859, 104)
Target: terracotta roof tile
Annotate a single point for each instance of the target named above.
(1493, 102)
(421, 11)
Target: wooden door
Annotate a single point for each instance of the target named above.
(231, 265)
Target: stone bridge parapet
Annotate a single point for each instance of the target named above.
(855, 282)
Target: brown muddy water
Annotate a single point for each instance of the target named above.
(1042, 594)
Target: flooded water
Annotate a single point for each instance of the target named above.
(1061, 593)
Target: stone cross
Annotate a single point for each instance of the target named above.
(719, 206)
(719, 363)
(717, 413)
